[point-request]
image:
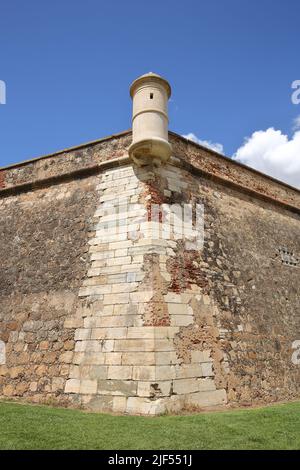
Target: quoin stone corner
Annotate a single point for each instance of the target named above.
(103, 307)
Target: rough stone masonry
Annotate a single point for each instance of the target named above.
(129, 322)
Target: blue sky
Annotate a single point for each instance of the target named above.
(68, 65)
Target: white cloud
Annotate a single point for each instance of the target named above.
(273, 153)
(206, 143)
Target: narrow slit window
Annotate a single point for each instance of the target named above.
(151, 96)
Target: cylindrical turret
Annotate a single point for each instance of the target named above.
(150, 94)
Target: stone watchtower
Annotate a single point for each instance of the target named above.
(139, 322)
(150, 94)
(143, 273)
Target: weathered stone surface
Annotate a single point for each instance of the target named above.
(204, 399)
(133, 322)
(43, 256)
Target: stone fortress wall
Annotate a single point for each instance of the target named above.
(135, 323)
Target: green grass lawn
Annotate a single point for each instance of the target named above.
(42, 427)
